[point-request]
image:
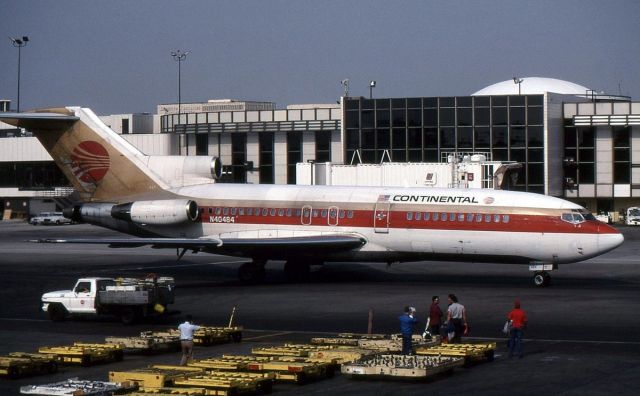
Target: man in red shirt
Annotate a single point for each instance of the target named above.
(518, 319)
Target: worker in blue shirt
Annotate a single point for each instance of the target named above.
(407, 322)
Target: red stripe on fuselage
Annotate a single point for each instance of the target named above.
(462, 221)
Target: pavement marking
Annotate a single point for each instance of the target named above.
(268, 335)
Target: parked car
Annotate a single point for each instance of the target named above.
(49, 218)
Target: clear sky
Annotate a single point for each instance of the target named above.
(114, 56)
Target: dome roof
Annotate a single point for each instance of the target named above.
(533, 86)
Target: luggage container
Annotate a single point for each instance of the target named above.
(154, 376)
(471, 353)
(401, 366)
(19, 364)
(85, 354)
(76, 387)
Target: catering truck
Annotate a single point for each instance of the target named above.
(128, 298)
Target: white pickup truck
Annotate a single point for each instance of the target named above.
(128, 298)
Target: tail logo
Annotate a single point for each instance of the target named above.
(90, 162)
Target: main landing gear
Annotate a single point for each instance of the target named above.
(297, 271)
(252, 272)
(542, 278)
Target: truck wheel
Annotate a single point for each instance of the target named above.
(128, 316)
(57, 312)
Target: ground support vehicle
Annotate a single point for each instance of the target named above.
(19, 364)
(128, 298)
(229, 383)
(632, 216)
(154, 376)
(75, 387)
(213, 335)
(401, 366)
(472, 353)
(85, 354)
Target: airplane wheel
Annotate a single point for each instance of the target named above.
(296, 271)
(541, 279)
(252, 273)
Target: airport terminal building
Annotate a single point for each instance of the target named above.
(571, 141)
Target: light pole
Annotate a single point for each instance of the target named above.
(372, 85)
(179, 56)
(518, 81)
(19, 43)
(345, 85)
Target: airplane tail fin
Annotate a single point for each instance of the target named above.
(99, 163)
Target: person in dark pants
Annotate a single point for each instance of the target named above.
(457, 318)
(187, 329)
(435, 316)
(407, 322)
(518, 318)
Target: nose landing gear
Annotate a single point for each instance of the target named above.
(541, 279)
(541, 276)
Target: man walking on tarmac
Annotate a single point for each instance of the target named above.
(187, 329)
(407, 322)
(518, 318)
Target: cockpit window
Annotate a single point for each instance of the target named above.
(574, 217)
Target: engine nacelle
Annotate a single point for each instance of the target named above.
(179, 170)
(160, 212)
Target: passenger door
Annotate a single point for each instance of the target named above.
(381, 217)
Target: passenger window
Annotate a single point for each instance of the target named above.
(234, 211)
(427, 215)
(350, 214)
(496, 218)
(479, 218)
(241, 211)
(452, 217)
(289, 212)
(505, 218)
(280, 212)
(461, 217)
(435, 216)
(323, 213)
(298, 212)
(487, 218)
(409, 216)
(249, 211)
(315, 213)
(443, 217)
(272, 212)
(418, 216)
(341, 214)
(225, 211)
(265, 212)
(210, 210)
(470, 217)
(218, 211)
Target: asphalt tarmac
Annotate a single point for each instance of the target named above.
(583, 336)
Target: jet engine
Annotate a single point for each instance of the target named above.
(160, 212)
(179, 171)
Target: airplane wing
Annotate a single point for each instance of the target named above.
(281, 247)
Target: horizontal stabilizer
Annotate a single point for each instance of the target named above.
(37, 120)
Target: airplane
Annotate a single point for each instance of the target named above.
(174, 202)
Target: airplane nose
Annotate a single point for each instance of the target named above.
(608, 241)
